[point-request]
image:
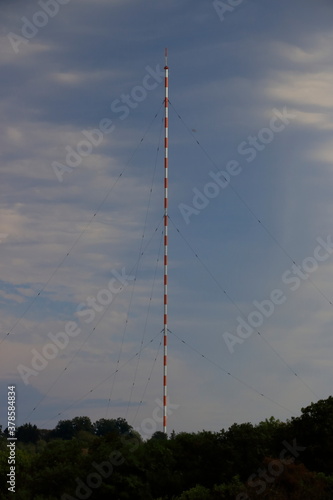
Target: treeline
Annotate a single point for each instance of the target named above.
(108, 459)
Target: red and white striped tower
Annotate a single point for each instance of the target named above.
(165, 329)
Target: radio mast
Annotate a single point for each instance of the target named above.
(165, 327)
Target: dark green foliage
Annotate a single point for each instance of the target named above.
(105, 426)
(28, 433)
(159, 435)
(63, 430)
(108, 459)
(67, 429)
(313, 429)
(82, 424)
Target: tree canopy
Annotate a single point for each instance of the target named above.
(272, 460)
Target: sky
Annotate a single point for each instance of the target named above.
(250, 236)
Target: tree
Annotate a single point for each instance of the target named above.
(63, 430)
(242, 450)
(105, 426)
(28, 433)
(313, 431)
(67, 429)
(82, 424)
(197, 493)
(56, 467)
(159, 435)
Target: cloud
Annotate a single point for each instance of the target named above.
(11, 296)
(314, 90)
